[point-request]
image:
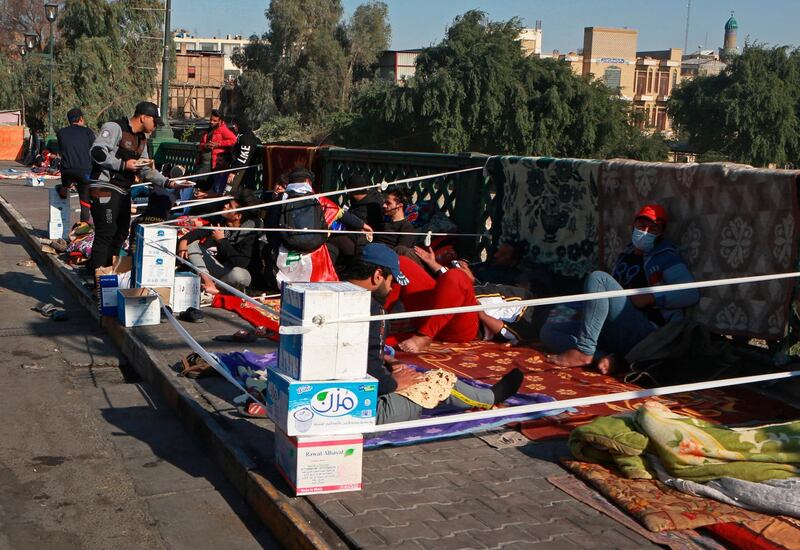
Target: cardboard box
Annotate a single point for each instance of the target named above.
(57, 230)
(138, 307)
(313, 465)
(154, 266)
(185, 292)
(331, 352)
(321, 407)
(108, 280)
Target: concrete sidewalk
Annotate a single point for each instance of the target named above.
(460, 493)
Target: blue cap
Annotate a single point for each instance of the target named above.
(381, 255)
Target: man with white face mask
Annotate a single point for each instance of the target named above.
(615, 325)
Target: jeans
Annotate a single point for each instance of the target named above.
(614, 325)
(111, 213)
(81, 180)
(204, 261)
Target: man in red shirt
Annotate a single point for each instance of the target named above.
(217, 140)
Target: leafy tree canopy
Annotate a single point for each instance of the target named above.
(749, 112)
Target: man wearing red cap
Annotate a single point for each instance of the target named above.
(615, 325)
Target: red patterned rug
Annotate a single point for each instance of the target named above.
(488, 361)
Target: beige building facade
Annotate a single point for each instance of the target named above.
(196, 88)
(610, 55)
(657, 74)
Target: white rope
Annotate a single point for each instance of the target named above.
(319, 321)
(218, 282)
(334, 231)
(382, 185)
(201, 351)
(192, 176)
(580, 402)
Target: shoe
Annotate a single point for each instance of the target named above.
(191, 315)
(206, 298)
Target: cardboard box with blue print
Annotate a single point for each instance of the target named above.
(108, 280)
(321, 407)
(185, 292)
(155, 256)
(139, 307)
(320, 464)
(334, 351)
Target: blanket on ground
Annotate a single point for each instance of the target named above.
(551, 204)
(688, 448)
(728, 221)
(656, 506)
(488, 361)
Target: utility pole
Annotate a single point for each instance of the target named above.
(164, 133)
(686, 32)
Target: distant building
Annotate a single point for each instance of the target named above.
(657, 74)
(199, 79)
(701, 63)
(729, 48)
(530, 40)
(226, 46)
(397, 65)
(610, 55)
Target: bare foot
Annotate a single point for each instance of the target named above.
(210, 289)
(606, 364)
(415, 344)
(570, 358)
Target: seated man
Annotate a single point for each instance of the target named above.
(394, 212)
(375, 270)
(502, 268)
(615, 325)
(452, 288)
(224, 254)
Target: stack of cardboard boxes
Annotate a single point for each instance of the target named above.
(154, 277)
(320, 396)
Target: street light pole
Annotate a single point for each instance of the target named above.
(165, 65)
(51, 12)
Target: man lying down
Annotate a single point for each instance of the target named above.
(403, 392)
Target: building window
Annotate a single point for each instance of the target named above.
(674, 80)
(612, 78)
(663, 83)
(191, 71)
(209, 47)
(641, 82)
(649, 81)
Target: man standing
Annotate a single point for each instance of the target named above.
(217, 140)
(120, 159)
(74, 142)
(245, 153)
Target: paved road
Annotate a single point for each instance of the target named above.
(90, 458)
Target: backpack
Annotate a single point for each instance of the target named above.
(307, 214)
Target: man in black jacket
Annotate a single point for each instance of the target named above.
(74, 143)
(366, 204)
(245, 153)
(224, 254)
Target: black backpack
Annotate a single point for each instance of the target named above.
(305, 214)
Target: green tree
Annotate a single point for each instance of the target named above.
(749, 112)
(477, 91)
(304, 68)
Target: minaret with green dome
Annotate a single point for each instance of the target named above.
(729, 48)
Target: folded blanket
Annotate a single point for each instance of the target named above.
(689, 448)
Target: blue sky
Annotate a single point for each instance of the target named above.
(418, 23)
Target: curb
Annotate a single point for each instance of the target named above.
(291, 526)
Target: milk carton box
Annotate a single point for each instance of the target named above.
(335, 351)
(185, 292)
(155, 256)
(321, 464)
(321, 407)
(59, 217)
(108, 286)
(138, 307)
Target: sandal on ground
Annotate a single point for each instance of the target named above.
(245, 336)
(194, 366)
(51, 312)
(206, 298)
(252, 410)
(191, 315)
